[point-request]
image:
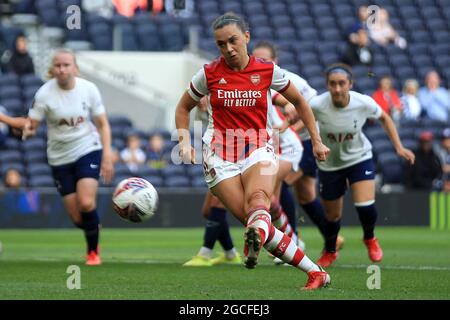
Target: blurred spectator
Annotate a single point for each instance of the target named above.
(363, 14)
(13, 179)
(156, 155)
(133, 156)
(426, 172)
(115, 158)
(19, 201)
(4, 129)
(387, 98)
(128, 8)
(411, 108)
(156, 6)
(104, 8)
(382, 32)
(444, 151)
(358, 49)
(434, 99)
(179, 8)
(19, 61)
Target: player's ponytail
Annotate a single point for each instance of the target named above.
(230, 18)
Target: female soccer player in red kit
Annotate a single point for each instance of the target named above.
(239, 163)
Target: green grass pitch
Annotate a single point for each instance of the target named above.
(146, 264)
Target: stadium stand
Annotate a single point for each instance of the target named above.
(311, 34)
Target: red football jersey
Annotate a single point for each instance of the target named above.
(238, 116)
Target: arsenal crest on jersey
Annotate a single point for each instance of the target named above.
(255, 78)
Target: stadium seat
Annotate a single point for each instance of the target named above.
(173, 170)
(195, 171)
(35, 143)
(156, 181)
(145, 170)
(148, 39)
(31, 80)
(392, 173)
(9, 92)
(177, 182)
(232, 6)
(7, 156)
(9, 79)
(253, 7)
(285, 33)
(387, 157)
(14, 106)
(276, 8)
(208, 7)
(5, 166)
(382, 146)
(198, 182)
(41, 181)
(38, 169)
(12, 144)
(35, 157)
(121, 169)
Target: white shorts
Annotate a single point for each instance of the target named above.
(291, 148)
(217, 169)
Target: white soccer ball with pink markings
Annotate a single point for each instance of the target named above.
(135, 199)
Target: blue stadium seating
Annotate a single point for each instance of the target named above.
(41, 181)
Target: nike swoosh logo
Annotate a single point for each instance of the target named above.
(368, 172)
(94, 166)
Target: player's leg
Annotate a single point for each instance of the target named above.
(261, 232)
(216, 228)
(88, 173)
(363, 192)
(231, 255)
(333, 186)
(279, 216)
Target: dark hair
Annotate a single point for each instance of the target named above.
(230, 18)
(341, 67)
(269, 45)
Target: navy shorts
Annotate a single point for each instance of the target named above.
(66, 176)
(333, 184)
(308, 162)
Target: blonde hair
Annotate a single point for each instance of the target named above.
(409, 82)
(50, 74)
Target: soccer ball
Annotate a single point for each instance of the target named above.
(135, 199)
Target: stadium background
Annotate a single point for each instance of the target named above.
(143, 63)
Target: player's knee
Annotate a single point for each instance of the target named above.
(258, 198)
(305, 193)
(86, 204)
(333, 216)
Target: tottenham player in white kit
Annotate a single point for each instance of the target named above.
(341, 114)
(77, 150)
(240, 172)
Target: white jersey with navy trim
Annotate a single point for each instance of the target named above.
(307, 92)
(71, 133)
(341, 129)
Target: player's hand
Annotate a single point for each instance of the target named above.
(20, 122)
(27, 131)
(320, 151)
(282, 128)
(107, 170)
(187, 153)
(407, 154)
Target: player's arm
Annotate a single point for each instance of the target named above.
(30, 128)
(306, 115)
(290, 111)
(184, 107)
(389, 127)
(18, 123)
(104, 129)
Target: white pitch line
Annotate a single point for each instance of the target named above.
(391, 267)
(343, 266)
